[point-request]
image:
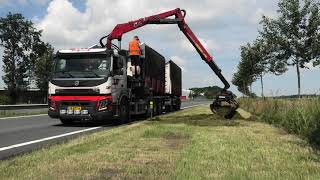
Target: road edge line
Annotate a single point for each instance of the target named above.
(47, 138)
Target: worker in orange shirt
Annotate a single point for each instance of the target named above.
(135, 52)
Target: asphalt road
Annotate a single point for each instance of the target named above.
(23, 134)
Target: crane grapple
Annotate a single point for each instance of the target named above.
(225, 100)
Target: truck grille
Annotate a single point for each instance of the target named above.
(78, 92)
(76, 103)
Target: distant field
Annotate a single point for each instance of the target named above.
(189, 144)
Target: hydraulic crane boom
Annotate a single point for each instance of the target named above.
(179, 15)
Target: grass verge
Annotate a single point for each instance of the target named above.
(4, 114)
(189, 144)
(298, 116)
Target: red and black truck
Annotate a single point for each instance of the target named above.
(96, 84)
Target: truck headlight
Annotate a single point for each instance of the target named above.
(84, 112)
(69, 111)
(63, 111)
(77, 112)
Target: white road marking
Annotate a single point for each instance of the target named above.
(48, 138)
(57, 136)
(13, 117)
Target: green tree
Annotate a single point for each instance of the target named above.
(259, 61)
(314, 27)
(17, 36)
(43, 63)
(208, 92)
(245, 74)
(240, 82)
(256, 61)
(263, 61)
(293, 36)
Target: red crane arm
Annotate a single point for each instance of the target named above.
(163, 18)
(120, 29)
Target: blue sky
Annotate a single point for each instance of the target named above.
(222, 26)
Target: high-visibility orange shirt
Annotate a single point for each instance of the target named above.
(134, 48)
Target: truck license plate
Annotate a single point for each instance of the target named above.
(74, 108)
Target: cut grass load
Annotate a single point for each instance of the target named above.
(189, 144)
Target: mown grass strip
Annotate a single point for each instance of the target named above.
(298, 116)
(189, 144)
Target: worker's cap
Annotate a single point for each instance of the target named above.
(136, 37)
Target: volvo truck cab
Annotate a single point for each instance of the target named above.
(88, 84)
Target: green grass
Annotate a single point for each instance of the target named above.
(189, 144)
(298, 116)
(12, 114)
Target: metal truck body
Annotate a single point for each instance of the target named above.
(97, 85)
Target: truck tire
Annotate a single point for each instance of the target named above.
(177, 107)
(159, 108)
(148, 112)
(168, 108)
(155, 107)
(124, 111)
(66, 121)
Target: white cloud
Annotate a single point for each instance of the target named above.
(185, 92)
(257, 16)
(180, 62)
(310, 67)
(13, 2)
(209, 44)
(24, 2)
(203, 79)
(66, 26)
(41, 2)
(4, 2)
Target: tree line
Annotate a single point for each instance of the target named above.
(209, 92)
(290, 39)
(26, 57)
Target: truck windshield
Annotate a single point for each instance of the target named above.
(82, 66)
